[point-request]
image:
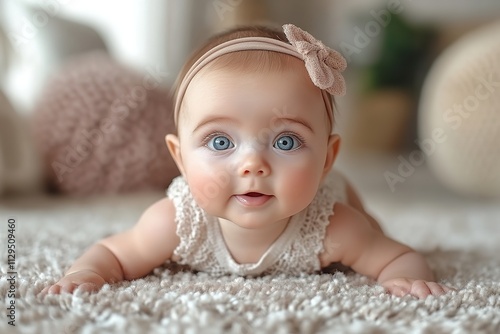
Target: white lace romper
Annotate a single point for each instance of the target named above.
(296, 250)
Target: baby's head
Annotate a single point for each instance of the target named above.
(254, 128)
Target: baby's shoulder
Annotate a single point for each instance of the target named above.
(164, 206)
(160, 214)
(346, 218)
(346, 230)
(154, 237)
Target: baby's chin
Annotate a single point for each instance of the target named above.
(256, 219)
(250, 217)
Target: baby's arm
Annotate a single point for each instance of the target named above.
(352, 240)
(127, 255)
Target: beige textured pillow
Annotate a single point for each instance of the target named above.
(459, 117)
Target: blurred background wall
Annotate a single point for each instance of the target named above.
(389, 44)
(162, 33)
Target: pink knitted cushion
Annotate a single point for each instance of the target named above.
(100, 128)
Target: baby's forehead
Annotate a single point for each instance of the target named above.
(254, 61)
(227, 73)
(274, 74)
(265, 96)
(286, 84)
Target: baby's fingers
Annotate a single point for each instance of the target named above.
(66, 286)
(417, 288)
(437, 289)
(88, 287)
(398, 291)
(59, 288)
(45, 290)
(422, 289)
(397, 287)
(85, 280)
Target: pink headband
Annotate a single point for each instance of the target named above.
(323, 64)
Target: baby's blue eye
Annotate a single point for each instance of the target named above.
(220, 143)
(287, 143)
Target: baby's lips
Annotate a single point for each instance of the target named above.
(253, 199)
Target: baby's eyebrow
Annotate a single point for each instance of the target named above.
(212, 119)
(297, 120)
(224, 119)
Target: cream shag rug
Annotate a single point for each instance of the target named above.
(460, 238)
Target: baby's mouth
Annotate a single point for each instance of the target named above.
(253, 198)
(253, 194)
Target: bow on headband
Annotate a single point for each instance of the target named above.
(323, 64)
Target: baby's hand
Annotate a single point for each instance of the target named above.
(417, 288)
(85, 280)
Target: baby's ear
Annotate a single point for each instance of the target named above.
(332, 150)
(174, 148)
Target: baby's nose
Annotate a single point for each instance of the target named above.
(254, 164)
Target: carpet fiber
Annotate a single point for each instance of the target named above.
(459, 237)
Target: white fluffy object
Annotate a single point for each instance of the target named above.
(459, 118)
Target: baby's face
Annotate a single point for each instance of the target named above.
(253, 145)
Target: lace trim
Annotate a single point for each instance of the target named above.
(195, 248)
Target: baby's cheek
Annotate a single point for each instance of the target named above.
(303, 180)
(207, 186)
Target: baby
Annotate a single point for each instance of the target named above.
(257, 194)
